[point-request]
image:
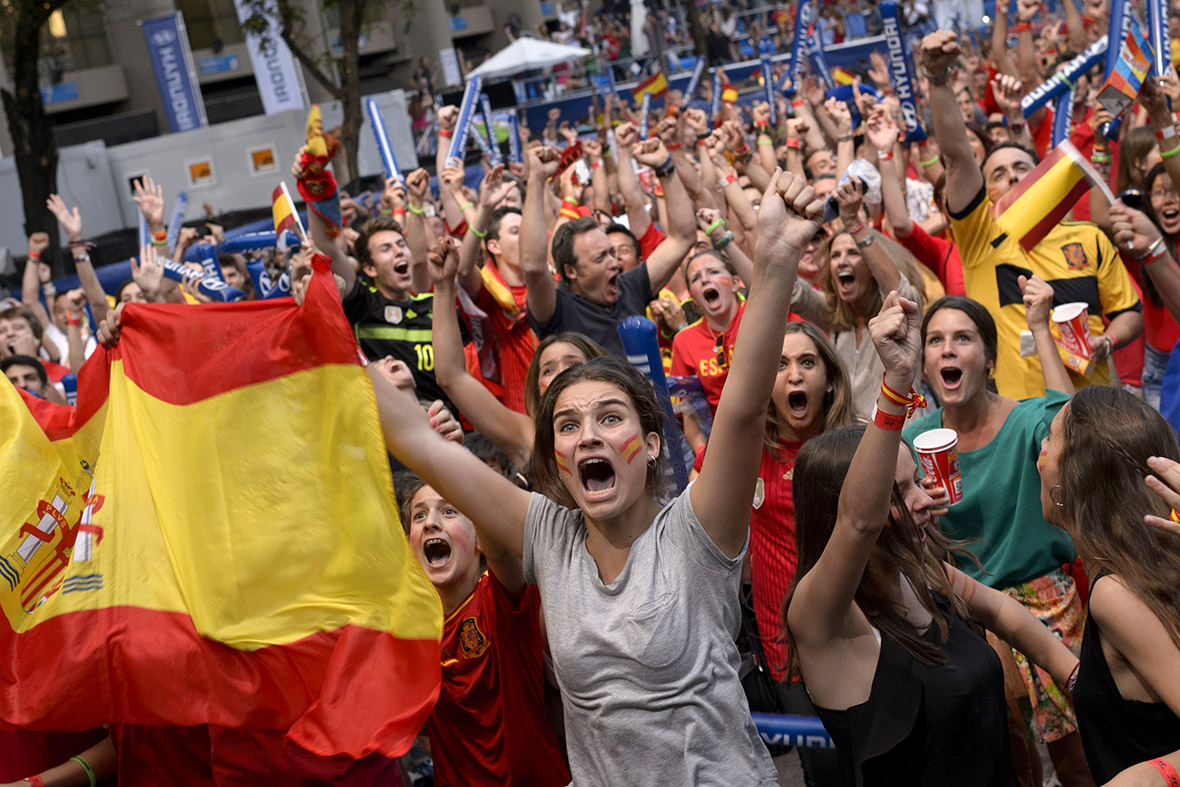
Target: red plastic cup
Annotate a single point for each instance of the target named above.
(938, 451)
(1071, 319)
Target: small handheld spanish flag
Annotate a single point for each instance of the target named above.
(656, 85)
(1044, 197)
(285, 216)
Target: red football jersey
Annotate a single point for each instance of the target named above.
(489, 726)
(697, 350)
(773, 554)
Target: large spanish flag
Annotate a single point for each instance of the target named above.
(1044, 196)
(211, 538)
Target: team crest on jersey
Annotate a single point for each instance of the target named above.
(393, 314)
(1075, 256)
(759, 493)
(471, 639)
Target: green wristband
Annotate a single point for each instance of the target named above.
(89, 771)
(715, 225)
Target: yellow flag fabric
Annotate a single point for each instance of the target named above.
(241, 563)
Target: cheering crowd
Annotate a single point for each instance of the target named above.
(826, 292)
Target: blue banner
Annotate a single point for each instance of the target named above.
(514, 137)
(768, 87)
(168, 51)
(1161, 42)
(819, 64)
(803, 20)
(718, 82)
(485, 106)
(1064, 80)
(1062, 118)
(901, 73)
(695, 80)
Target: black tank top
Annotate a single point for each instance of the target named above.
(928, 725)
(1116, 733)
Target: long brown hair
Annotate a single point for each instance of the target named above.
(1108, 436)
(631, 382)
(840, 313)
(838, 406)
(820, 472)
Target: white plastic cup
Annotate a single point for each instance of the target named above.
(938, 451)
(1072, 322)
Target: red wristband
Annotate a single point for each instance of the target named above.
(34, 255)
(36, 781)
(674, 146)
(731, 177)
(761, 123)
(890, 422)
(793, 144)
(598, 163)
(445, 132)
(399, 211)
(569, 214)
(74, 320)
(798, 102)
(1020, 27)
(1167, 771)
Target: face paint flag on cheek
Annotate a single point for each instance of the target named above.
(563, 462)
(631, 448)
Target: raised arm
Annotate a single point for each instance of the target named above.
(1136, 233)
(1009, 619)
(510, 431)
(999, 49)
(940, 50)
(496, 506)
(788, 219)
(822, 608)
(534, 240)
(882, 132)
(626, 135)
(849, 196)
(681, 228)
(71, 222)
(320, 234)
(492, 189)
(1038, 301)
(37, 277)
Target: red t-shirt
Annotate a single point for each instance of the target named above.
(773, 555)
(695, 351)
(489, 726)
(513, 341)
(1159, 327)
(651, 238)
(940, 256)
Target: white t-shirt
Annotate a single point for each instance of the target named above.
(647, 665)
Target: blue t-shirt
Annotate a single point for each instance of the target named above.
(1001, 505)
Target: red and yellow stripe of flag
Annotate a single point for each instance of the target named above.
(1045, 196)
(631, 448)
(656, 84)
(247, 569)
(563, 462)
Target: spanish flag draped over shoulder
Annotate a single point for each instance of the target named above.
(656, 84)
(1044, 196)
(211, 538)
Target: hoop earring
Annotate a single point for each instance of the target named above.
(651, 461)
(1053, 496)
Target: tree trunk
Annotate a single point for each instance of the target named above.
(32, 134)
(351, 14)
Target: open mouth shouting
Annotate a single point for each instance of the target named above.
(951, 376)
(1170, 218)
(402, 268)
(437, 552)
(712, 296)
(597, 477)
(797, 404)
(612, 285)
(845, 282)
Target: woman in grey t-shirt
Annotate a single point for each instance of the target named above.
(641, 599)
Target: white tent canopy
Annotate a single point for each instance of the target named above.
(525, 54)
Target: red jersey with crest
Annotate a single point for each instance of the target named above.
(698, 350)
(773, 554)
(489, 726)
(513, 341)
